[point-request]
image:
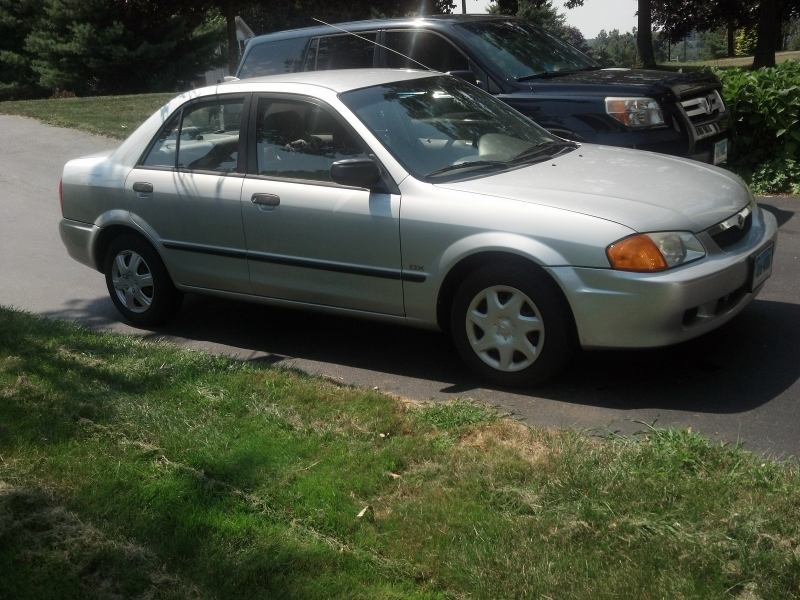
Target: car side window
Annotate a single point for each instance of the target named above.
(343, 52)
(163, 148)
(427, 48)
(300, 140)
(209, 136)
(202, 137)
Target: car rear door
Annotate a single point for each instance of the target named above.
(185, 193)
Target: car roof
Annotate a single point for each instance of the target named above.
(338, 81)
(429, 22)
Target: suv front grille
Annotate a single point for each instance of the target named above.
(703, 107)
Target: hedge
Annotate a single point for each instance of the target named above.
(766, 111)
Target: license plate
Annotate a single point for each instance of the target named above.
(720, 151)
(761, 267)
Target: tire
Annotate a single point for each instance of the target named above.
(512, 326)
(138, 282)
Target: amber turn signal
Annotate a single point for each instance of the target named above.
(636, 253)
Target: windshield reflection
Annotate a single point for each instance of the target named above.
(443, 125)
(523, 50)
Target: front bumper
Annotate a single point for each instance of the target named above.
(617, 309)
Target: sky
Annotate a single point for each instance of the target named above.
(590, 18)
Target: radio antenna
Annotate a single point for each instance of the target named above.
(372, 42)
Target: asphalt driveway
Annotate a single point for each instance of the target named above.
(739, 383)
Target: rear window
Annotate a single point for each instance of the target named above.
(274, 58)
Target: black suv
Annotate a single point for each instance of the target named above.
(541, 76)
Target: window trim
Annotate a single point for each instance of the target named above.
(178, 114)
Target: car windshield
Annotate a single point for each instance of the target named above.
(442, 125)
(524, 51)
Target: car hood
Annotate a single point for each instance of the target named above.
(644, 191)
(639, 77)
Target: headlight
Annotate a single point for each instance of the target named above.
(654, 251)
(635, 112)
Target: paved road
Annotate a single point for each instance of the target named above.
(738, 383)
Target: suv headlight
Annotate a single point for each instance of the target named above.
(649, 252)
(635, 112)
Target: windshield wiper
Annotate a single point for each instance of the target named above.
(469, 165)
(540, 149)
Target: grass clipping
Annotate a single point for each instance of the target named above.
(134, 469)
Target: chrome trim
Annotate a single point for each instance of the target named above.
(736, 220)
(703, 105)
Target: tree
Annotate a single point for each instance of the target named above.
(544, 14)
(679, 18)
(17, 78)
(93, 47)
(614, 49)
(644, 39)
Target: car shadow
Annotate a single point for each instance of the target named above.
(739, 367)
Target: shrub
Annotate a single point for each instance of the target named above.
(766, 112)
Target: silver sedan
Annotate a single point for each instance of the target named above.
(416, 198)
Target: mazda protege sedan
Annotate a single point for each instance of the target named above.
(416, 198)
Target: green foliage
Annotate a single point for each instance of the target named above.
(745, 42)
(766, 111)
(102, 47)
(17, 78)
(615, 49)
(547, 16)
(715, 44)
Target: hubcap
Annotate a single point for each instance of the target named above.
(133, 281)
(504, 328)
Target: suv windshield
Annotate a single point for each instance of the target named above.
(523, 50)
(442, 125)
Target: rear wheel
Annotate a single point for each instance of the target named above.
(512, 326)
(138, 282)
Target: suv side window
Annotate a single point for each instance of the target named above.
(300, 140)
(428, 48)
(342, 52)
(274, 58)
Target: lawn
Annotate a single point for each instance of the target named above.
(112, 116)
(133, 469)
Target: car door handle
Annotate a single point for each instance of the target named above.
(265, 199)
(142, 187)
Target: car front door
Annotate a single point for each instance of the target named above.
(308, 239)
(185, 193)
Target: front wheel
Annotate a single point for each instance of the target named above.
(138, 282)
(512, 326)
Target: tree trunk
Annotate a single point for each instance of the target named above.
(233, 44)
(644, 36)
(731, 41)
(769, 26)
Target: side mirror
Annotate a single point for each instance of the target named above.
(355, 172)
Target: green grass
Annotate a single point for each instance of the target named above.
(112, 116)
(738, 61)
(132, 469)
